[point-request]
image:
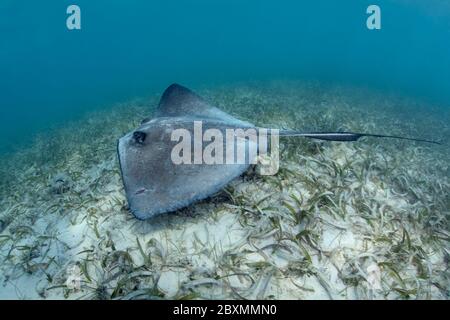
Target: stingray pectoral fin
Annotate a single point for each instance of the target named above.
(155, 182)
(345, 136)
(179, 101)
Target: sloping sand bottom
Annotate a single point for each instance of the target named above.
(363, 220)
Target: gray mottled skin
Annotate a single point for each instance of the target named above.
(155, 185)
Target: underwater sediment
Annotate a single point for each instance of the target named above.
(362, 220)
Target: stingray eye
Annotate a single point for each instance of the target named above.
(139, 136)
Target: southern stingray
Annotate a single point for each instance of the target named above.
(154, 184)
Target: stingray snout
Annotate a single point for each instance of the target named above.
(139, 137)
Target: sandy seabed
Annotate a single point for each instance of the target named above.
(361, 220)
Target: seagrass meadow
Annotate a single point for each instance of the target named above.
(359, 220)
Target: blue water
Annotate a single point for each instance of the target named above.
(49, 75)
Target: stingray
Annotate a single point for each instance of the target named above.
(154, 184)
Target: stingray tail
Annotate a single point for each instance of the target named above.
(344, 136)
